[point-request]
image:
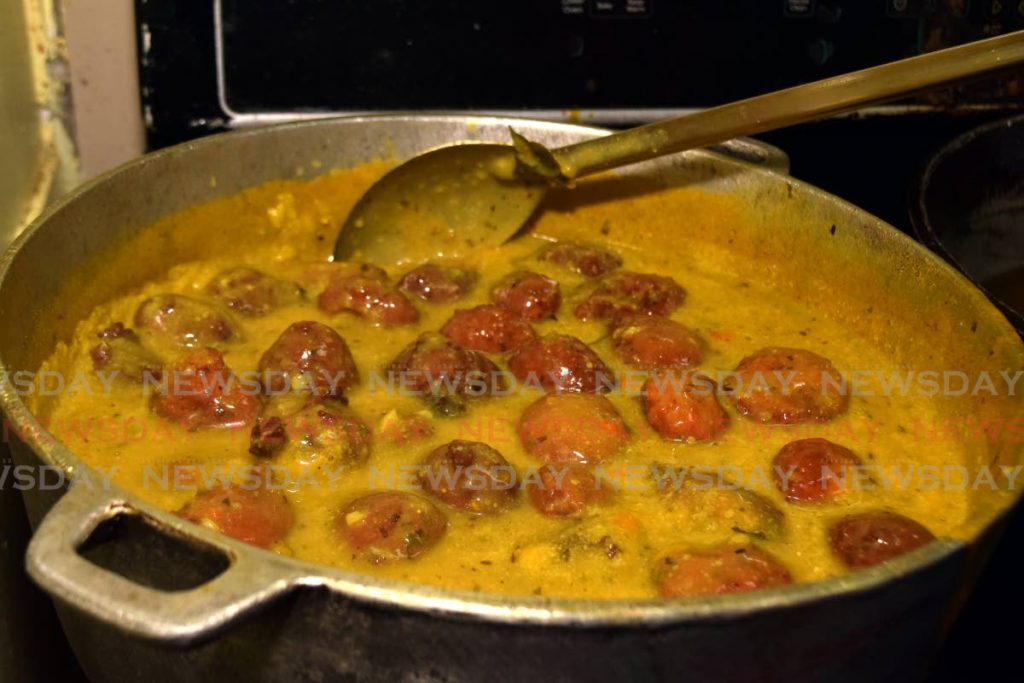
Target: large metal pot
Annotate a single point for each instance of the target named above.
(266, 617)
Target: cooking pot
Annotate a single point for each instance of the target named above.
(145, 595)
(967, 205)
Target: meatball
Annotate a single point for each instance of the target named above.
(326, 436)
(201, 391)
(582, 259)
(179, 320)
(572, 428)
(438, 284)
(700, 501)
(722, 569)
(813, 470)
(786, 386)
(489, 329)
(567, 490)
(390, 525)
(444, 374)
(560, 363)
(682, 407)
(529, 295)
(316, 276)
(256, 515)
(626, 293)
(866, 539)
(653, 343)
(309, 356)
(369, 298)
(470, 476)
(120, 352)
(251, 292)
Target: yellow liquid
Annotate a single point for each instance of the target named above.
(282, 227)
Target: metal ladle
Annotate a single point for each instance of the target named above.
(448, 201)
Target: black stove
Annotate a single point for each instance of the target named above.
(222, 64)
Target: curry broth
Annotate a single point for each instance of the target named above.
(282, 227)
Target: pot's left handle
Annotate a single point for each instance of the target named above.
(54, 562)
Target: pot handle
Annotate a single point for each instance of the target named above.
(181, 617)
(755, 152)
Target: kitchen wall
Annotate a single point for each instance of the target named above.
(101, 55)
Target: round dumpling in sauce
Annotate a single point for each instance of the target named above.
(703, 502)
(253, 514)
(200, 391)
(315, 277)
(627, 293)
(121, 354)
(529, 295)
(328, 437)
(560, 363)
(490, 329)
(438, 284)
(655, 343)
(813, 470)
(389, 526)
(684, 407)
(310, 357)
(718, 570)
(183, 321)
(368, 297)
(786, 386)
(572, 428)
(866, 539)
(251, 292)
(567, 490)
(580, 258)
(443, 374)
(470, 476)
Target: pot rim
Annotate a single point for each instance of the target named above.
(520, 610)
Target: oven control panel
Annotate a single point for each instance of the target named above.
(211, 64)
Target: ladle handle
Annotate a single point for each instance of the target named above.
(794, 105)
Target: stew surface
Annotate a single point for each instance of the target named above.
(580, 418)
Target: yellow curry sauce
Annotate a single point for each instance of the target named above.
(517, 551)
